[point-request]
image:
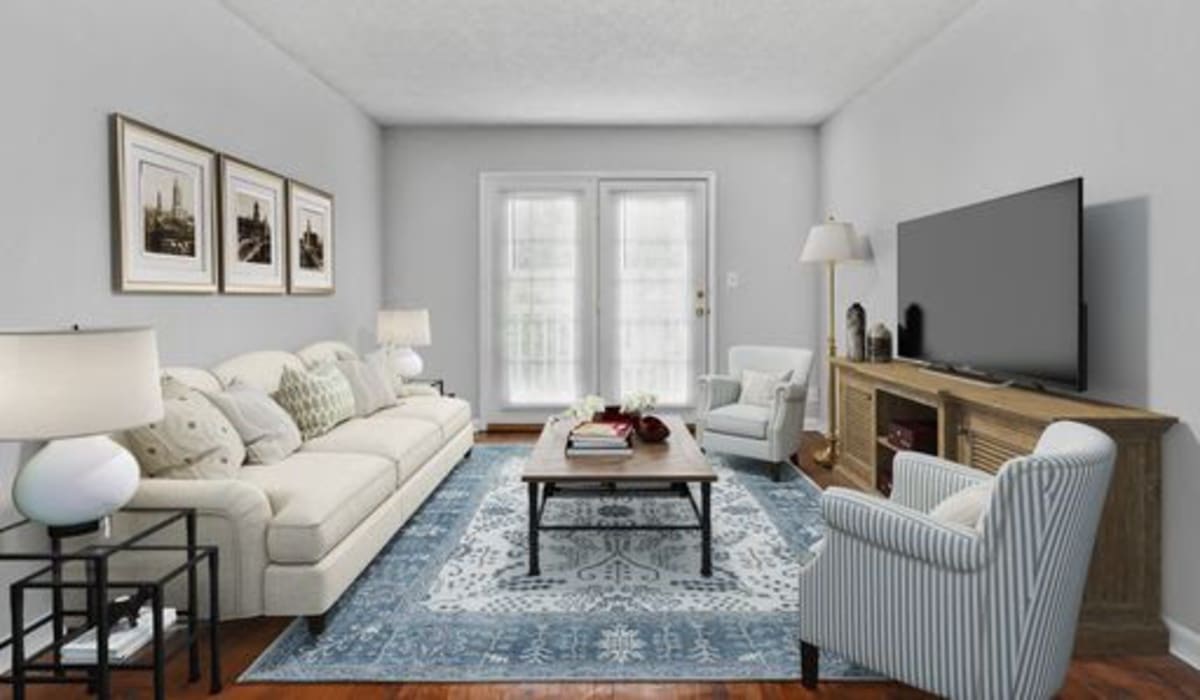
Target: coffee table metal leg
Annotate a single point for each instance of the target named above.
(533, 529)
(705, 529)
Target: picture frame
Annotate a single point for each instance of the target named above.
(164, 204)
(253, 218)
(311, 239)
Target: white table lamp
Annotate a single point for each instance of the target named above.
(72, 387)
(831, 242)
(401, 330)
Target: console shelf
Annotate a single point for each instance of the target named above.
(984, 427)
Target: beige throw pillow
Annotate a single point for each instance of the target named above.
(193, 440)
(371, 387)
(317, 399)
(758, 388)
(267, 430)
(966, 507)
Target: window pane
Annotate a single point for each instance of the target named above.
(540, 321)
(654, 305)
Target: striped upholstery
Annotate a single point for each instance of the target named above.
(964, 614)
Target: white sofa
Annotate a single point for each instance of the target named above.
(294, 535)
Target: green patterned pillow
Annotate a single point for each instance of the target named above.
(317, 399)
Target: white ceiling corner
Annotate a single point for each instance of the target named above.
(599, 61)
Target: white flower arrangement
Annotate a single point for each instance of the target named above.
(638, 402)
(585, 408)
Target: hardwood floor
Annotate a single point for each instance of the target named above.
(244, 640)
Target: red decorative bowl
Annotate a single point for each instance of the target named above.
(651, 429)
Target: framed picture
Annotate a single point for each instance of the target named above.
(310, 240)
(253, 222)
(165, 211)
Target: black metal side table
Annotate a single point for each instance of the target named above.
(435, 382)
(46, 664)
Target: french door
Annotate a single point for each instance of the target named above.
(592, 285)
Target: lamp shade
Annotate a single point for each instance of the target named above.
(407, 328)
(831, 241)
(56, 384)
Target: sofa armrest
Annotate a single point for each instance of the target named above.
(896, 528)
(922, 481)
(232, 515)
(717, 390)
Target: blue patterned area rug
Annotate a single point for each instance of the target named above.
(448, 599)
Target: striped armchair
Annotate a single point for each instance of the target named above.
(955, 611)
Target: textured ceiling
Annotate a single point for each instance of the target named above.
(599, 61)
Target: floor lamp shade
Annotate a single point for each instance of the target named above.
(832, 241)
(72, 387)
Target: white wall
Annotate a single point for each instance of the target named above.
(194, 69)
(766, 191)
(1019, 93)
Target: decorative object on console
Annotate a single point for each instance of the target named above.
(193, 439)
(879, 344)
(916, 435)
(252, 217)
(310, 239)
(856, 333)
(165, 211)
(52, 389)
(400, 330)
(831, 242)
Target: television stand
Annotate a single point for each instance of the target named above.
(985, 426)
(978, 381)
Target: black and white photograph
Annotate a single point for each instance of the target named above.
(252, 229)
(165, 202)
(310, 239)
(168, 211)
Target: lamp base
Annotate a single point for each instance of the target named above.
(75, 482)
(827, 456)
(406, 363)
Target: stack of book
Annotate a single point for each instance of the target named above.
(124, 640)
(600, 439)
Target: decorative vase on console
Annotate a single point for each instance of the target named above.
(856, 333)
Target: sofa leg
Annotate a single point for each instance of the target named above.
(316, 624)
(468, 454)
(809, 664)
(776, 471)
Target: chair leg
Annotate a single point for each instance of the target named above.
(810, 660)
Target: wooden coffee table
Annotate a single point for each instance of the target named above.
(666, 469)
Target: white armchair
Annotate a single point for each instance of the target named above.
(770, 433)
(960, 612)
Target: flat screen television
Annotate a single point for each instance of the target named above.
(996, 288)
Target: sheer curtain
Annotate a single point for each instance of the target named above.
(540, 316)
(653, 281)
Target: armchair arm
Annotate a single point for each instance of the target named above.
(717, 390)
(902, 530)
(921, 481)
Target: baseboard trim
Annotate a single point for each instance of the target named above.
(1184, 643)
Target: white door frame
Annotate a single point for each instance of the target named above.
(490, 182)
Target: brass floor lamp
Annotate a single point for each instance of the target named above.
(831, 242)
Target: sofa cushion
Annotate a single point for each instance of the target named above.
(449, 414)
(407, 443)
(317, 399)
(193, 440)
(317, 499)
(370, 384)
(744, 420)
(267, 430)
